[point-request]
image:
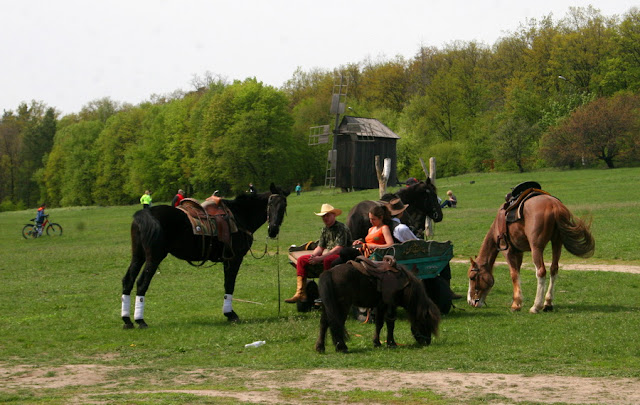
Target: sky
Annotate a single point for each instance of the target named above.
(67, 53)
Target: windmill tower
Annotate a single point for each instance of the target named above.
(320, 134)
(355, 143)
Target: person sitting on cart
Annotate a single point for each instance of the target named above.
(335, 235)
(378, 236)
(401, 232)
(40, 216)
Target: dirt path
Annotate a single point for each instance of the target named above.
(271, 386)
(617, 268)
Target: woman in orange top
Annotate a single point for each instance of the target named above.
(378, 236)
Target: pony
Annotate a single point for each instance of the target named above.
(162, 229)
(544, 218)
(422, 201)
(344, 285)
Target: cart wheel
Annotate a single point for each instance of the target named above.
(438, 291)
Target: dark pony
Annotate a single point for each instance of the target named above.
(544, 219)
(162, 229)
(343, 286)
(422, 199)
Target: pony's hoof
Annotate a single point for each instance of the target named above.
(342, 348)
(534, 310)
(319, 348)
(232, 316)
(141, 324)
(547, 308)
(392, 345)
(376, 343)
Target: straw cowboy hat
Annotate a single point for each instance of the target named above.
(328, 208)
(396, 207)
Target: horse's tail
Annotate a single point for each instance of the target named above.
(331, 307)
(575, 233)
(147, 227)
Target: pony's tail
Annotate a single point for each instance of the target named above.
(331, 307)
(147, 227)
(575, 233)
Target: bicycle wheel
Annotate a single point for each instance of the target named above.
(29, 231)
(54, 229)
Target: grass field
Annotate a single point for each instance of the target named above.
(60, 300)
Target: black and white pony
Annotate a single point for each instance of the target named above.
(162, 229)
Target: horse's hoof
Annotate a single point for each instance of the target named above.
(320, 348)
(547, 308)
(127, 323)
(376, 343)
(534, 310)
(141, 324)
(392, 345)
(232, 316)
(342, 348)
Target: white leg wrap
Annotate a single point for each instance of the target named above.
(126, 304)
(227, 306)
(139, 309)
(540, 293)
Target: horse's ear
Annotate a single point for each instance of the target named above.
(473, 263)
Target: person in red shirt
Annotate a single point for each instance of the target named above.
(178, 197)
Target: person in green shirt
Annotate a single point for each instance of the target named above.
(335, 235)
(145, 200)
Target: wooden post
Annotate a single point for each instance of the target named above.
(383, 174)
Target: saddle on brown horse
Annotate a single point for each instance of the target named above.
(211, 218)
(511, 210)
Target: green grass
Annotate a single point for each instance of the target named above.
(60, 301)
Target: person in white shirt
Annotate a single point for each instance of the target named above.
(401, 232)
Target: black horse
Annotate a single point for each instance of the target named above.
(344, 285)
(162, 229)
(422, 201)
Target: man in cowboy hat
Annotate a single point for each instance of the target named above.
(335, 235)
(401, 232)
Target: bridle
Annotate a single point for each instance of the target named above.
(269, 205)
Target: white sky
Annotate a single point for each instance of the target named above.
(67, 53)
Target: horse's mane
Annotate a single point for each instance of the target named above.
(418, 303)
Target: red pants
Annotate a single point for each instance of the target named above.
(303, 262)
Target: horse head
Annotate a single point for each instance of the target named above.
(480, 283)
(276, 209)
(422, 199)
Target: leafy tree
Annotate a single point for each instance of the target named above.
(605, 129)
(514, 141)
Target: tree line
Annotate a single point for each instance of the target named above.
(554, 93)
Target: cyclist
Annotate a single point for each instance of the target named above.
(40, 216)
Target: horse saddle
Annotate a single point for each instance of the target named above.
(512, 210)
(386, 273)
(212, 218)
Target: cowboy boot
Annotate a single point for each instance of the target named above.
(300, 294)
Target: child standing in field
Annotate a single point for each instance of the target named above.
(145, 200)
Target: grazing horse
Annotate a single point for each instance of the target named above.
(162, 229)
(544, 218)
(344, 285)
(422, 201)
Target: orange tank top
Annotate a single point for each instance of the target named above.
(375, 237)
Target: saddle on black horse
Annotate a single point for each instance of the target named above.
(511, 210)
(387, 274)
(211, 218)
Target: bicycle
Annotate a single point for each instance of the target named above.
(32, 231)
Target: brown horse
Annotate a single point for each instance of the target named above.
(544, 218)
